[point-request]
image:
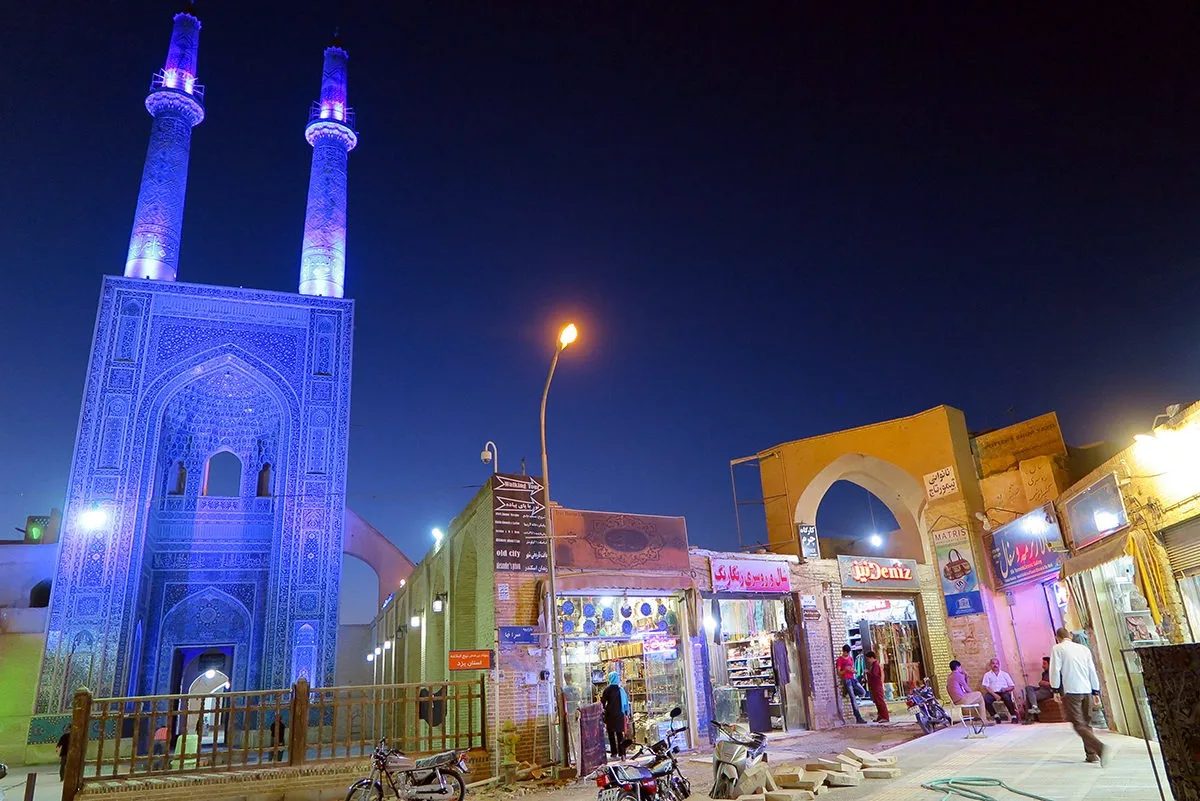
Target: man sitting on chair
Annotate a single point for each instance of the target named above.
(1035, 695)
(998, 687)
(958, 687)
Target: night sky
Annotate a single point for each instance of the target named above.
(769, 220)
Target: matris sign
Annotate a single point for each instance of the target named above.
(882, 573)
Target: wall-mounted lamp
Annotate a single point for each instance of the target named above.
(403, 582)
(415, 622)
(983, 517)
(437, 538)
(378, 650)
(371, 657)
(439, 602)
(387, 645)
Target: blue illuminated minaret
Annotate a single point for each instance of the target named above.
(176, 103)
(331, 133)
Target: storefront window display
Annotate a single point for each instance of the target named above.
(749, 661)
(637, 638)
(887, 626)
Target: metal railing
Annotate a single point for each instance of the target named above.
(158, 735)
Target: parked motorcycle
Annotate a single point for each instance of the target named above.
(433, 778)
(926, 708)
(659, 778)
(738, 762)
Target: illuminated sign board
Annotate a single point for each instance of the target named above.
(1096, 512)
(1028, 548)
(878, 573)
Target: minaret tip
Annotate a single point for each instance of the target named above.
(336, 41)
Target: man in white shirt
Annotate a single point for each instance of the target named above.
(1073, 675)
(997, 689)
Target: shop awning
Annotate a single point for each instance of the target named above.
(1106, 550)
(594, 580)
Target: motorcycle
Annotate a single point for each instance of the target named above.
(926, 708)
(659, 778)
(432, 778)
(738, 763)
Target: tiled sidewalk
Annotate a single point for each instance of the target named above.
(1045, 759)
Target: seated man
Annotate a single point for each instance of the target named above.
(958, 687)
(998, 687)
(1042, 692)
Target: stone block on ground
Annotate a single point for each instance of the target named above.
(866, 757)
(752, 797)
(835, 778)
(881, 773)
(790, 795)
(825, 764)
(789, 778)
(850, 762)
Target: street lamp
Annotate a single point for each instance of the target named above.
(566, 337)
(490, 454)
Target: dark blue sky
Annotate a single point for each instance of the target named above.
(770, 221)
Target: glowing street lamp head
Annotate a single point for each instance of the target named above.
(371, 657)
(415, 621)
(378, 650)
(437, 536)
(210, 674)
(876, 540)
(568, 335)
(387, 644)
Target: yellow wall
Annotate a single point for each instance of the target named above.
(20, 656)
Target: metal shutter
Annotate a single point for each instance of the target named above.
(1183, 547)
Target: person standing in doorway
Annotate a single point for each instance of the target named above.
(278, 739)
(849, 681)
(64, 743)
(1035, 695)
(998, 689)
(616, 705)
(875, 685)
(1073, 675)
(161, 735)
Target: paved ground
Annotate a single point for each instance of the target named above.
(1046, 759)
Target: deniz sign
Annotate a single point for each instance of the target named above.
(867, 571)
(1028, 548)
(750, 575)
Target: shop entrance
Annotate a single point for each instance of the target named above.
(888, 626)
(750, 661)
(635, 638)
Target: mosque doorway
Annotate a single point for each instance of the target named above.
(204, 677)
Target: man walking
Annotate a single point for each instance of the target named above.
(998, 687)
(1035, 695)
(64, 744)
(1073, 674)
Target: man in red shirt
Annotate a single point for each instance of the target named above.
(875, 685)
(845, 671)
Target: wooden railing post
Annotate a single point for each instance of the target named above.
(298, 741)
(483, 716)
(81, 713)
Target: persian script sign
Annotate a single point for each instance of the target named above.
(750, 575)
(941, 483)
(519, 523)
(470, 660)
(1028, 548)
(866, 571)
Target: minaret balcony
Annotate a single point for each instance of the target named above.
(177, 81)
(332, 112)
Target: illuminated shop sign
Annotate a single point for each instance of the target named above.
(1096, 512)
(882, 573)
(1028, 548)
(751, 575)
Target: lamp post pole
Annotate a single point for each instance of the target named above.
(565, 338)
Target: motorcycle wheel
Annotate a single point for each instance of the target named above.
(941, 716)
(456, 788)
(721, 788)
(365, 790)
(923, 722)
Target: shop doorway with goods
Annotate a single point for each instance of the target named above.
(637, 640)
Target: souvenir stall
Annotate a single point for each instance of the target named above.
(750, 649)
(638, 638)
(880, 607)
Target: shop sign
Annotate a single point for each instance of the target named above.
(471, 660)
(750, 575)
(882, 573)
(956, 566)
(809, 546)
(518, 635)
(519, 523)
(1028, 548)
(941, 483)
(617, 541)
(1096, 512)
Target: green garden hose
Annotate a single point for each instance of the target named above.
(964, 786)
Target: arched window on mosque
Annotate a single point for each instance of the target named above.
(177, 481)
(223, 475)
(264, 481)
